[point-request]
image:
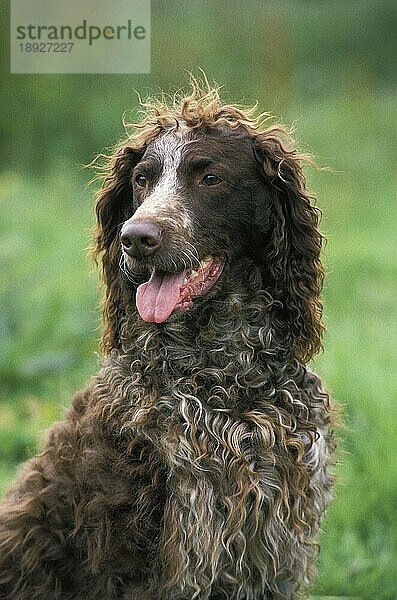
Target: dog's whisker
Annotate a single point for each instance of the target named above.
(187, 260)
(126, 271)
(193, 251)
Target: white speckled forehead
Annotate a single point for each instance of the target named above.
(168, 150)
(165, 201)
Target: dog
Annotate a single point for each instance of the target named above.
(197, 464)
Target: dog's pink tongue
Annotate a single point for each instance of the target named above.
(157, 298)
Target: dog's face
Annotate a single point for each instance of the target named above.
(194, 207)
(196, 191)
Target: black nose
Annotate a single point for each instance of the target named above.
(140, 239)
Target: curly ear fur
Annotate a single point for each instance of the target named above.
(114, 205)
(291, 264)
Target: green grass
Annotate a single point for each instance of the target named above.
(48, 317)
(359, 546)
(48, 323)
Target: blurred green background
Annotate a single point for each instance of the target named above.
(329, 67)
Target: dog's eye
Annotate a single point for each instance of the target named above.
(141, 180)
(211, 179)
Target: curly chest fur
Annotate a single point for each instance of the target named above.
(240, 436)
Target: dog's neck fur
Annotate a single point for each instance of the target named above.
(226, 351)
(231, 323)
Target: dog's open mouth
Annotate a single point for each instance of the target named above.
(165, 292)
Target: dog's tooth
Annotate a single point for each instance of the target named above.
(206, 260)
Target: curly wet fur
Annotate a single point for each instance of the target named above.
(196, 464)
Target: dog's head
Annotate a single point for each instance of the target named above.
(197, 187)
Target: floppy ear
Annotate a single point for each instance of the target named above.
(291, 260)
(114, 205)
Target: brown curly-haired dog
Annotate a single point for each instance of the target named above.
(196, 464)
